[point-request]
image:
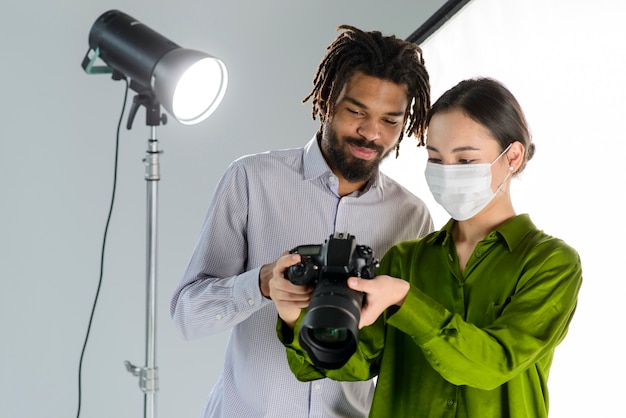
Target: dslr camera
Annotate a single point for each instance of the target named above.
(329, 331)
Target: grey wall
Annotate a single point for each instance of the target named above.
(57, 142)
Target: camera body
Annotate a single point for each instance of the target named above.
(340, 255)
(329, 331)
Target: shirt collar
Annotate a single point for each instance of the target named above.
(512, 232)
(314, 163)
(316, 166)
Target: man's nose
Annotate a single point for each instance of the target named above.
(369, 130)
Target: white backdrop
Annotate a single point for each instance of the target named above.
(565, 62)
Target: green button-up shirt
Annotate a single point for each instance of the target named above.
(477, 343)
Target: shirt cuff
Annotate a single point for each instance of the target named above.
(420, 316)
(286, 335)
(246, 291)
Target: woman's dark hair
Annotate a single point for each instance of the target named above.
(491, 104)
(385, 57)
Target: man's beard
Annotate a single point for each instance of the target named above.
(351, 168)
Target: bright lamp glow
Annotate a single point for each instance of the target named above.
(189, 84)
(199, 90)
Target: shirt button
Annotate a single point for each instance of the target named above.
(479, 254)
(219, 317)
(250, 302)
(450, 402)
(331, 179)
(317, 386)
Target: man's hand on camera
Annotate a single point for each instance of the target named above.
(288, 297)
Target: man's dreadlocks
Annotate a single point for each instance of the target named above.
(385, 57)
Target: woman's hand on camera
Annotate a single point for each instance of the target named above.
(289, 298)
(381, 293)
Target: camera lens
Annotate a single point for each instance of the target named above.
(330, 330)
(330, 335)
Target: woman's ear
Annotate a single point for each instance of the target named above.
(515, 156)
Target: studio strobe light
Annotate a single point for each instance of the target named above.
(190, 85)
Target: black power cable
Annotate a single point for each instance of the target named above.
(106, 229)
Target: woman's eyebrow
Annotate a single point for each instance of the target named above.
(458, 149)
(465, 148)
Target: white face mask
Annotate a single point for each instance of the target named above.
(462, 189)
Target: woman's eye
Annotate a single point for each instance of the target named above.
(465, 161)
(434, 160)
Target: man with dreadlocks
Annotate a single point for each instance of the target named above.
(369, 90)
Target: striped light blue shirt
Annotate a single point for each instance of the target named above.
(264, 205)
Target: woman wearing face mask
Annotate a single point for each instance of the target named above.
(464, 322)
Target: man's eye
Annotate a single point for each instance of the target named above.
(465, 161)
(391, 122)
(434, 160)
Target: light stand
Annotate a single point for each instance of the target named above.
(189, 85)
(149, 374)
